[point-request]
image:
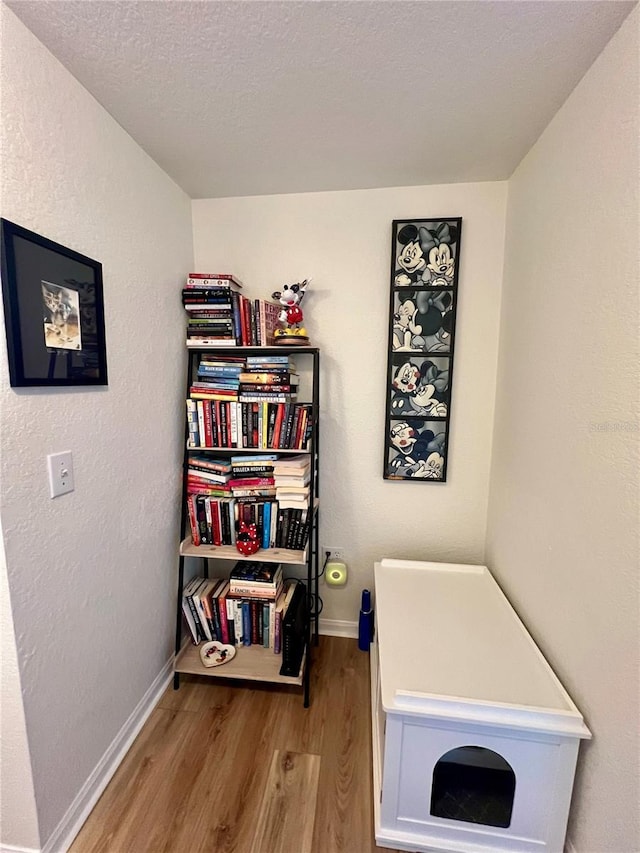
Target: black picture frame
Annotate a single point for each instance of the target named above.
(425, 255)
(54, 311)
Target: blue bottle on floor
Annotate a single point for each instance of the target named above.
(365, 623)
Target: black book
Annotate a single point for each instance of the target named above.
(279, 528)
(254, 571)
(244, 471)
(272, 409)
(223, 423)
(187, 593)
(304, 531)
(290, 416)
(259, 520)
(245, 425)
(294, 526)
(225, 523)
(190, 294)
(201, 518)
(283, 427)
(293, 632)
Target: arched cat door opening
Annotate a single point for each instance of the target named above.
(473, 784)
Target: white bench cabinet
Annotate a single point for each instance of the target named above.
(475, 740)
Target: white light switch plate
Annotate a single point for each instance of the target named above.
(60, 473)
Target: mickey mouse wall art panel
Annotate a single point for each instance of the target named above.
(424, 293)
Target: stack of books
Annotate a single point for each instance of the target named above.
(213, 519)
(227, 410)
(291, 478)
(252, 476)
(254, 579)
(269, 378)
(256, 321)
(252, 615)
(205, 609)
(208, 300)
(220, 316)
(254, 589)
(209, 476)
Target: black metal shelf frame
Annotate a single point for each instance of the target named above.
(313, 548)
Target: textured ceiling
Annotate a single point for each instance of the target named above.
(244, 98)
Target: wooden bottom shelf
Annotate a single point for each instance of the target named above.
(252, 663)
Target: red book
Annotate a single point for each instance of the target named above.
(215, 522)
(252, 483)
(199, 392)
(229, 438)
(278, 425)
(246, 305)
(222, 610)
(195, 530)
(206, 411)
(272, 312)
(242, 331)
(248, 513)
(200, 487)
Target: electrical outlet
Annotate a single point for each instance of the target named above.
(335, 553)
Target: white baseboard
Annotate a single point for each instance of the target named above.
(10, 848)
(338, 628)
(79, 810)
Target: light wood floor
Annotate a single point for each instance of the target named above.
(244, 768)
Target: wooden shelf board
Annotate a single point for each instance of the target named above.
(251, 663)
(248, 450)
(230, 552)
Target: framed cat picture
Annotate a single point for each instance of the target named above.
(54, 312)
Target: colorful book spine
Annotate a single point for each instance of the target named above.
(222, 611)
(246, 623)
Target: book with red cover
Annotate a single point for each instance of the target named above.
(252, 482)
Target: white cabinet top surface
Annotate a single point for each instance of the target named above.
(450, 643)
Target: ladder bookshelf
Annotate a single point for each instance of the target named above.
(255, 663)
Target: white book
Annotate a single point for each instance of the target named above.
(288, 503)
(210, 343)
(233, 412)
(294, 465)
(237, 620)
(188, 615)
(272, 623)
(200, 590)
(231, 615)
(292, 482)
(239, 419)
(208, 513)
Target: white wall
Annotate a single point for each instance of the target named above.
(563, 523)
(18, 816)
(342, 240)
(92, 574)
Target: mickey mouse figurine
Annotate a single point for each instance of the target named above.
(290, 297)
